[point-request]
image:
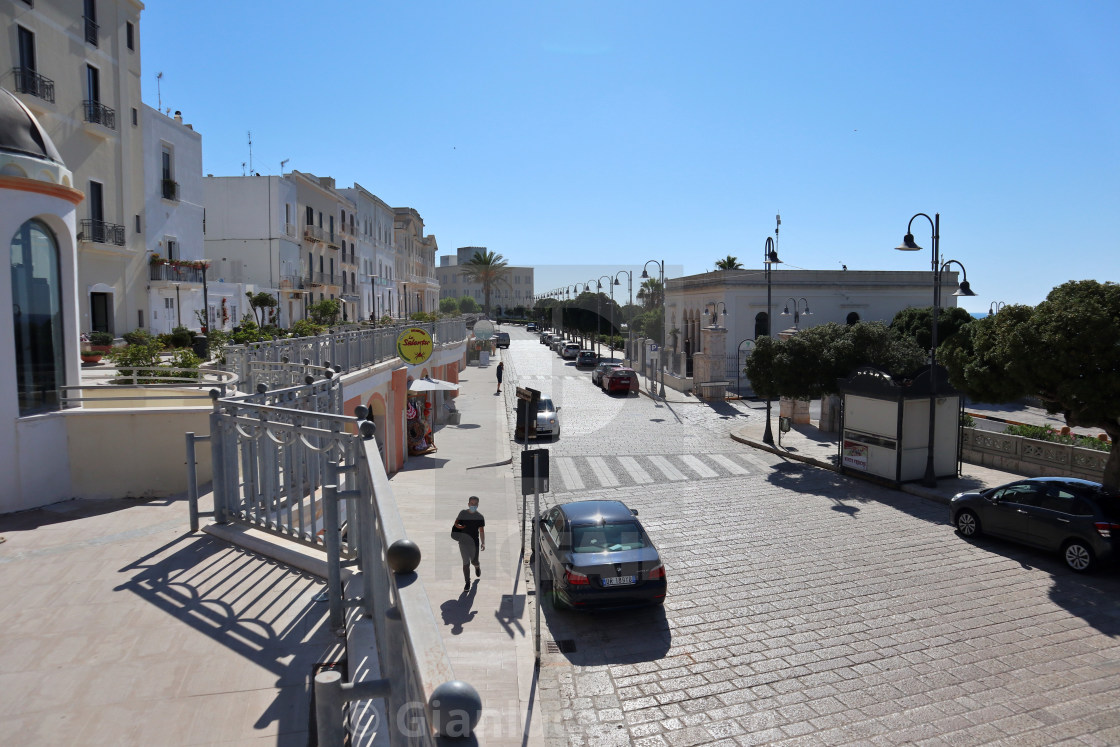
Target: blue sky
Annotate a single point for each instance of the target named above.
(604, 134)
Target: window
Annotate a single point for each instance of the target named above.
(761, 325)
(135, 117)
(310, 216)
(130, 35)
(137, 224)
(166, 163)
(26, 51)
(172, 247)
(37, 318)
(93, 84)
(90, 12)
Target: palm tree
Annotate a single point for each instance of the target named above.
(729, 263)
(650, 293)
(487, 269)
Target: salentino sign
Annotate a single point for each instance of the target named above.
(414, 345)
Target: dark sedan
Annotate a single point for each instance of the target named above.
(601, 370)
(596, 554)
(586, 358)
(1059, 514)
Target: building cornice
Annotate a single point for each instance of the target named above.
(23, 184)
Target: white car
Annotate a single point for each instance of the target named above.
(570, 351)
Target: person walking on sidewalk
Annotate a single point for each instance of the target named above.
(470, 532)
(501, 373)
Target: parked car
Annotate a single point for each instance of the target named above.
(570, 351)
(1060, 514)
(548, 419)
(531, 327)
(597, 554)
(586, 358)
(557, 343)
(621, 379)
(502, 339)
(601, 370)
(545, 338)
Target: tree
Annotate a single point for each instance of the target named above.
(325, 312)
(487, 269)
(650, 293)
(468, 305)
(449, 305)
(1066, 351)
(260, 302)
(918, 324)
(729, 263)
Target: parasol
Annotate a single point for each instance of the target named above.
(428, 384)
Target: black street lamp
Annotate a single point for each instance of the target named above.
(797, 309)
(661, 274)
(769, 258)
(178, 308)
(711, 310)
(739, 365)
(995, 307)
(908, 245)
(630, 289)
(599, 311)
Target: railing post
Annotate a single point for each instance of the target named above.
(192, 483)
(329, 727)
(331, 540)
(217, 461)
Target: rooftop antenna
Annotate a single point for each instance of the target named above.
(282, 165)
(242, 168)
(250, 151)
(159, 95)
(777, 228)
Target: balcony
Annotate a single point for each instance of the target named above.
(91, 30)
(326, 278)
(170, 189)
(332, 240)
(100, 232)
(30, 82)
(175, 271)
(291, 282)
(98, 113)
(313, 233)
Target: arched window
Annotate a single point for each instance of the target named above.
(853, 318)
(37, 318)
(761, 325)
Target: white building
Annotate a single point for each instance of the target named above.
(252, 246)
(516, 289)
(173, 217)
(415, 263)
(376, 253)
(76, 66)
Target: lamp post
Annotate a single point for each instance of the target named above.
(599, 311)
(769, 258)
(908, 245)
(711, 310)
(738, 366)
(661, 275)
(178, 308)
(995, 307)
(630, 289)
(796, 309)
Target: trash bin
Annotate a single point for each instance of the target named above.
(201, 346)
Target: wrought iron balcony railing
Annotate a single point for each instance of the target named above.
(168, 271)
(91, 30)
(291, 282)
(30, 82)
(170, 189)
(325, 278)
(313, 233)
(100, 232)
(98, 113)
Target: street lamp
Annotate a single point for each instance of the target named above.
(711, 310)
(630, 289)
(599, 312)
(178, 308)
(796, 310)
(908, 245)
(739, 364)
(995, 307)
(769, 258)
(645, 275)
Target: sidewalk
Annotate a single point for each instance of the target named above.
(487, 631)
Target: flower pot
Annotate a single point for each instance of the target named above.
(91, 357)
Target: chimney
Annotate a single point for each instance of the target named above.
(179, 117)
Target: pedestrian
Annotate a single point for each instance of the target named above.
(471, 535)
(501, 372)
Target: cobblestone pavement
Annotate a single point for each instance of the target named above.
(805, 607)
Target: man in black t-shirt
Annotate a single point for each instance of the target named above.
(470, 532)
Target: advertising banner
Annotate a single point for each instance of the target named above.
(855, 455)
(414, 345)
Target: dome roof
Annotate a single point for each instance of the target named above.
(21, 133)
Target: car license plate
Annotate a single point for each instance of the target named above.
(618, 581)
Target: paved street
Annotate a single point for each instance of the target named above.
(804, 606)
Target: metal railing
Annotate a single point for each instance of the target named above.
(107, 385)
(100, 232)
(290, 229)
(30, 82)
(91, 30)
(170, 189)
(291, 282)
(287, 462)
(324, 278)
(174, 273)
(313, 233)
(98, 113)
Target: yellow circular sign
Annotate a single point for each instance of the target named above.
(414, 345)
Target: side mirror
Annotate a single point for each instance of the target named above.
(634, 511)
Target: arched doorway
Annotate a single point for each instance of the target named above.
(761, 325)
(37, 318)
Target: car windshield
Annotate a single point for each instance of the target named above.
(544, 405)
(608, 537)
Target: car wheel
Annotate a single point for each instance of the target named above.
(1078, 556)
(968, 523)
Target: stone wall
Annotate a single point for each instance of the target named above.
(1026, 456)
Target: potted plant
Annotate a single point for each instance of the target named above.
(100, 341)
(91, 357)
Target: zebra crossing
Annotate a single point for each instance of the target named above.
(571, 473)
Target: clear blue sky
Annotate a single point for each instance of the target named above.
(609, 133)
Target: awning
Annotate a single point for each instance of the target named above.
(428, 384)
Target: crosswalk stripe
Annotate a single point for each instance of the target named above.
(667, 469)
(568, 473)
(605, 477)
(698, 466)
(756, 462)
(638, 474)
(727, 464)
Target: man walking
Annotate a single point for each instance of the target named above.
(470, 533)
(501, 373)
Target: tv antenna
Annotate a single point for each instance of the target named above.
(242, 168)
(282, 165)
(250, 151)
(777, 228)
(159, 95)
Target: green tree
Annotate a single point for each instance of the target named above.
(1065, 351)
(260, 303)
(729, 263)
(650, 293)
(468, 305)
(325, 312)
(487, 269)
(449, 305)
(918, 324)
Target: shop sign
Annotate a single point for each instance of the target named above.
(855, 455)
(414, 345)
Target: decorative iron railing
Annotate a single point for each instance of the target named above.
(91, 30)
(100, 232)
(175, 273)
(98, 113)
(30, 82)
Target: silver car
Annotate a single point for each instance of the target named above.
(548, 419)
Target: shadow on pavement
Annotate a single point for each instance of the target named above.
(457, 612)
(80, 508)
(622, 636)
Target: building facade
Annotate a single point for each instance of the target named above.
(76, 66)
(328, 248)
(415, 263)
(376, 253)
(515, 291)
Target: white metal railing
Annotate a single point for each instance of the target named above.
(132, 384)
